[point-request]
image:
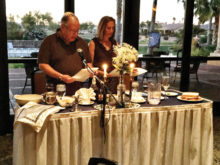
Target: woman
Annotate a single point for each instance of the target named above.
(101, 49)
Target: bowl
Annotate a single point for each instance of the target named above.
(25, 98)
(65, 101)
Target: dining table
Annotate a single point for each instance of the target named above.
(175, 132)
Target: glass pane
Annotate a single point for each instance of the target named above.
(90, 13)
(28, 23)
(169, 24)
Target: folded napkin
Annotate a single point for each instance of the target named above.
(35, 114)
(85, 94)
(137, 97)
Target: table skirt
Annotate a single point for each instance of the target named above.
(169, 135)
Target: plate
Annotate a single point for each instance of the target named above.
(90, 103)
(141, 101)
(170, 93)
(100, 107)
(144, 94)
(193, 101)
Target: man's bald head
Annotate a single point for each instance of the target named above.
(69, 16)
(69, 27)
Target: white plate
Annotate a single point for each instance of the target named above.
(144, 94)
(162, 98)
(198, 100)
(91, 102)
(171, 93)
(137, 101)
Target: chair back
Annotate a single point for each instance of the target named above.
(195, 66)
(179, 56)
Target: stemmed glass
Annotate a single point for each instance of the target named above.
(165, 82)
(144, 85)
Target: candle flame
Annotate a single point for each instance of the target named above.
(105, 66)
(132, 65)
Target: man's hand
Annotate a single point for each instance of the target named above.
(67, 79)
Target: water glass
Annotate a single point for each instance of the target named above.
(154, 93)
(50, 87)
(61, 90)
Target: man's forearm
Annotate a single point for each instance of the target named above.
(50, 71)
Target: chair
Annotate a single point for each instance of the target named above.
(96, 161)
(155, 67)
(194, 66)
(30, 68)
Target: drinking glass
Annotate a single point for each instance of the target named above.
(144, 85)
(50, 87)
(154, 93)
(165, 82)
(61, 90)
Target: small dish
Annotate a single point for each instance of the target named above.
(200, 99)
(86, 103)
(162, 98)
(170, 93)
(142, 100)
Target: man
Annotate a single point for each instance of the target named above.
(58, 56)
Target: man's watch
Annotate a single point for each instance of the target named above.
(60, 77)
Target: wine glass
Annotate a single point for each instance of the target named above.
(144, 85)
(165, 82)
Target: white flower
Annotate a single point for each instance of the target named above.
(125, 55)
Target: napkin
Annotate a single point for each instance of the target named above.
(35, 114)
(137, 97)
(85, 94)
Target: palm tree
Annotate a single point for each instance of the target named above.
(153, 18)
(174, 19)
(118, 21)
(206, 10)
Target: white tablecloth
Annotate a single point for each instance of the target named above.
(168, 135)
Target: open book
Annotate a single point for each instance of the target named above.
(83, 75)
(137, 72)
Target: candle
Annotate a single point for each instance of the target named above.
(105, 70)
(131, 69)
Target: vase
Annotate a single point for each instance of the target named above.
(121, 92)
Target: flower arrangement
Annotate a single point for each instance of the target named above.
(125, 55)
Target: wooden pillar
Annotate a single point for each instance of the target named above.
(131, 22)
(4, 87)
(69, 5)
(187, 40)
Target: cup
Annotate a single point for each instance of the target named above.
(154, 93)
(50, 87)
(49, 97)
(61, 89)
